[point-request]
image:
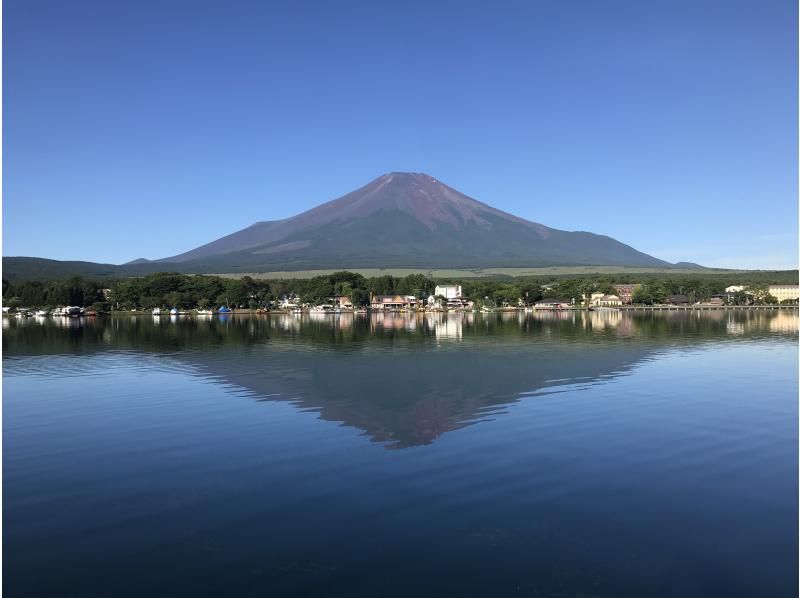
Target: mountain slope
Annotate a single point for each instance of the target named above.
(411, 220)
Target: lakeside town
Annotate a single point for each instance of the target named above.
(347, 292)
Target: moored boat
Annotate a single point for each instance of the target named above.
(321, 309)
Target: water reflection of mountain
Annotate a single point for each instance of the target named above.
(404, 380)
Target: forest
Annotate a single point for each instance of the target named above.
(168, 289)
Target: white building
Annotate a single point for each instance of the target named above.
(784, 292)
(448, 291)
(603, 300)
(451, 292)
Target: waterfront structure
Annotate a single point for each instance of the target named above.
(625, 292)
(603, 300)
(289, 302)
(342, 301)
(385, 302)
(451, 292)
(784, 292)
(553, 303)
(678, 300)
(725, 298)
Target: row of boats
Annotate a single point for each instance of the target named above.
(157, 311)
(59, 312)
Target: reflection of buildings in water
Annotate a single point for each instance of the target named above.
(344, 321)
(449, 327)
(392, 321)
(286, 323)
(325, 318)
(546, 315)
(604, 320)
(6, 323)
(785, 321)
(734, 326)
(68, 322)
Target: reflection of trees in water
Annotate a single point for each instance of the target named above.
(166, 334)
(403, 379)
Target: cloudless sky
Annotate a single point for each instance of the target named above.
(144, 129)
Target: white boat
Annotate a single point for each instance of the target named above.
(321, 309)
(156, 311)
(173, 311)
(42, 312)
(204, 312)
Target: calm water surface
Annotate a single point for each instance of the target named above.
(599, 454)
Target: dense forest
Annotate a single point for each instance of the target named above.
(199, 291)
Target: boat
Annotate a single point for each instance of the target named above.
(204, 312)
(73, 312)
(225, 310)
(42, 313)
(173, 311)
(156, 311)
(321, 309)
(90, 312)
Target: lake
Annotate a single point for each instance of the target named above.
(551, 454)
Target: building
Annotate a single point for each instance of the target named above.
(451, 292)
(726, 298)
(784, 292)
(448, 291)
(603, 300)
(289, 302)
(342, 301)
(553, 303)
(388, 302)
(625, 292)
(678, 300)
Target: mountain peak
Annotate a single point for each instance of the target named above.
(409, 219)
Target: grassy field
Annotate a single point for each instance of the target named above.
(485, 273)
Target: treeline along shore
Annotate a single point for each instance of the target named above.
(208, 292)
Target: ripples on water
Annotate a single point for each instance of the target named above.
(556, 454)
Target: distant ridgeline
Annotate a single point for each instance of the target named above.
(193, 291)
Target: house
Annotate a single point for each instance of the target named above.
(725, 298)
(341, 301)
(388, 302)
(625, 292)
(289, 302)
(784, 292)
(451, 292)
(678, 300)
(553, 303)
(603, 300)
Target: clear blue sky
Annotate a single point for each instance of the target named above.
(147, 128)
